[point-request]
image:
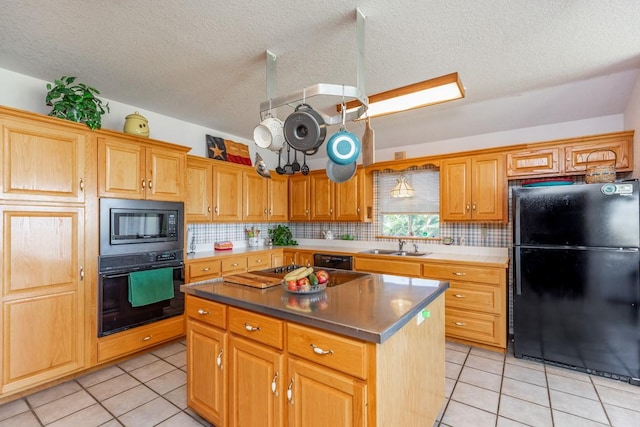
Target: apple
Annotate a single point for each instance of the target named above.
(322, 275)
(304, 284)
(292, 285)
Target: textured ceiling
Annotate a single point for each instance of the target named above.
(523, 63)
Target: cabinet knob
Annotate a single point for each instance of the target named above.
(457, 273)
(219, 359)
(144, 184)
(318, 350)
(460, 295)
(250, 328)
(474, 206)
(460, 323)
(81, 273)
(290, 392)
(274, 388)
(150, 185)
(147, 338)
(203, 312)
(216, 210)
(81, 184)
(265, 211)
(205, 269)
(208, 208)
(468, 207)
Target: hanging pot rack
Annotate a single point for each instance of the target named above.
(326, 89)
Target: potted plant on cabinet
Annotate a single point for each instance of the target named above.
(77, 103)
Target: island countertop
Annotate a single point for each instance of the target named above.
(371, 307)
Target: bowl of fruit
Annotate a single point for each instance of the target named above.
(305, 280)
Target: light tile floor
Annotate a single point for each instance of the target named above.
(483, 389)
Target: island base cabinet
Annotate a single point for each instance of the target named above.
(320, 397)
(206, 376)
(256, 395)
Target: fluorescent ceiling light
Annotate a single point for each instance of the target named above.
(417, 95)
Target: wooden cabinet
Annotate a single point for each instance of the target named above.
(205, 269)
(569, 156)
(130, 168)
(41, 160)
(227, 193)
(346, 201)
(299, 198)
(265, 199)
(289, 257)
(44, 309)
(473, 188)
(377, 264)
(198, 206)
(213, 267)
(206, 359)
(282, 373)
(255, 349)
(476, 303)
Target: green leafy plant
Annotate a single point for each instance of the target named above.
(281, 236)
(77, 103)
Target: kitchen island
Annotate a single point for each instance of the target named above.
(369, 352)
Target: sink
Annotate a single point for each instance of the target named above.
(405, 253)
(380, 251)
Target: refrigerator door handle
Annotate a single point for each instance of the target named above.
(518, 275)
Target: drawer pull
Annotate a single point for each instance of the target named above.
(456, 273)
(273, 385)
(318, 350)
(460, 323)
(258, 261)
(459, 295)
(147, 338)
(290, 392)
(203, 312)
(205, 269)
(250, 328)
(219, 359)
(235, 264)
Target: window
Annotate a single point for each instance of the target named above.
(417, 216)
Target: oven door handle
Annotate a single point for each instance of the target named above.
(114, 276)
(126, 273)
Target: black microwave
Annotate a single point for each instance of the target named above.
(136, 226)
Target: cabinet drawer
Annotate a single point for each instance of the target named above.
(139, 338)
(235, 264)
(344, 354)
(464, 273)
(212, 313)
(474, 297)
(258, 261)
(480, 327)
(385, 266)
(257, 327)
(202, 270)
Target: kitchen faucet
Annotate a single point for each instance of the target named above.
(415, 247)
(401, 244)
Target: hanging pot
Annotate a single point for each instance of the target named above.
(305, 128)
(340, 173)
(343, 147)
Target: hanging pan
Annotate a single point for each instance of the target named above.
(343, 147)
(305, 129)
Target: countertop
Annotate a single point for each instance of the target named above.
(485, 256)
(372, 307)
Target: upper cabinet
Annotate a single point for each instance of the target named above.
(329, 201)
(299, 198)
(569, 156)
(131, 168)
(473, 188)
(198, 205)
(265, 199)
(42, 160)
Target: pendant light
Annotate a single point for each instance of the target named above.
(402, 189)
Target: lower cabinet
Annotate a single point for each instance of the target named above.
(476, 303)
(278, 373)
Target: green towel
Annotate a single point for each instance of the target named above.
(150, 286)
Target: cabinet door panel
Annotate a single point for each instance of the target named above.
(255, 385)
(576, 155)
(455, 189)
(255, 195)
(543, 161)
(322, 397)
(41, 161)
(165, 174)
(278, 198)
(321, 197)
(347, 199)
(227, 190)
(489, 188)
(199, 204)
(206, 378)
(121, 169)
(299, 198)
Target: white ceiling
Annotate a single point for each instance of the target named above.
(523, 63)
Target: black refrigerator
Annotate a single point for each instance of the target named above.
(576, 277)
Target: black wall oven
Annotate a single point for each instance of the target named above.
(138, 237)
